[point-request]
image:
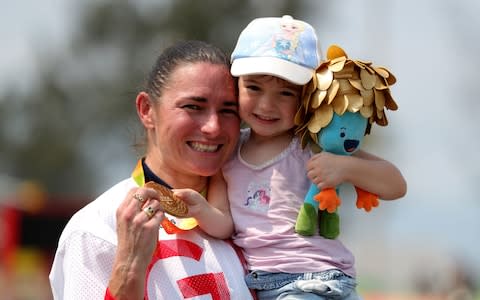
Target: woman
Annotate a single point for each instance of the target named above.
(113, 248)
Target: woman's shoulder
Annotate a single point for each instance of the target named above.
(98, 217)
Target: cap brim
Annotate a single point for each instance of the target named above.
(271, 66)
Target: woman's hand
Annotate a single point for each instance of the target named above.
(138, 221)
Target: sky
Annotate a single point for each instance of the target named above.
(28, 28)
(432, 138)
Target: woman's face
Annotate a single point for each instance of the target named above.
(195, 122)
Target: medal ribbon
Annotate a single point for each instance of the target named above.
(170, 224)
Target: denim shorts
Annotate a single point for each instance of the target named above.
(330, 284)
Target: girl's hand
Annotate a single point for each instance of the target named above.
(326, 170)
(197, 204)
(213, 216)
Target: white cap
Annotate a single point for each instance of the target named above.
(282, 47)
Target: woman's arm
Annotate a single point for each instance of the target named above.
(364, 170)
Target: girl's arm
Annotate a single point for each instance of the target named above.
(362, 169)
(213, 216)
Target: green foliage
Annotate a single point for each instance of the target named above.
(80, 117)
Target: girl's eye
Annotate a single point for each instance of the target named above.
(253, 87)
(288, 94)
(342, 134)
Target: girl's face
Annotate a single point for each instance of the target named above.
(195, 123)
(268, 104)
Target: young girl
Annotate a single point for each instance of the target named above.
(266, 180)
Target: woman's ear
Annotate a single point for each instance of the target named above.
(145, 110)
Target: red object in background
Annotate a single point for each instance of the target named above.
(10, 235)
(38, 229)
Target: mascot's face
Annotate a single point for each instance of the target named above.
(344, 134)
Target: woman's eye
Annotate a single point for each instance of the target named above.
(230, 111)
(191, 106)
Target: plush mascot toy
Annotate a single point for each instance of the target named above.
(339, 106)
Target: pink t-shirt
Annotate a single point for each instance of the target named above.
(264, 201)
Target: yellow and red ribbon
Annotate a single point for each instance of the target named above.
(170, 224)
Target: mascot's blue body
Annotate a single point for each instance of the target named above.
(339, 106)
(342, 136)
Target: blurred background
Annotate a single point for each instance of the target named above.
(70, 70)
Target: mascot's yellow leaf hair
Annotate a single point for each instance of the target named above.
(341, 84)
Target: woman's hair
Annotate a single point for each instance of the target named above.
(183, 52)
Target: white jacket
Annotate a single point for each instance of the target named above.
(185, 265)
